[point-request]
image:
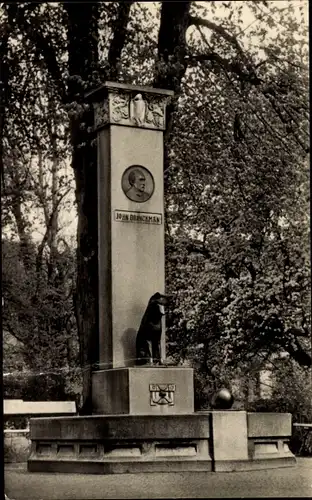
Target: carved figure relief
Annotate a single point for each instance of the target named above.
(137, 183)
(155, 114)
(162, 394)
(149, 334)
(137, 109)
(119, 107)
(101, 116)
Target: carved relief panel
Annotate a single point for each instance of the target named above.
(137, 110)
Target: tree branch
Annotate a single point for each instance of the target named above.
(296, 351)
(21, 224)
(43, 47)
(8, 327)
(225, 64)
(198, 21)
(235, 67)
(48, 230)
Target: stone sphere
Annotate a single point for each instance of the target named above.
(223, 400)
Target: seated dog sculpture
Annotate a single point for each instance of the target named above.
(149, 334)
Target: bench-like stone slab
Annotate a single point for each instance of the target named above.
(19, 407)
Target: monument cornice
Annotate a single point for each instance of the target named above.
(101, 92)
(129, 105)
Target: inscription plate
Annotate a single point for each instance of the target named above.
(138, 217)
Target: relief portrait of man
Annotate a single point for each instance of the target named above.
(138, 184)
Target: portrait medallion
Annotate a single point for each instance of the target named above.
(137, 183)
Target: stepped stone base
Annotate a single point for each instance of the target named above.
(203, 442)
(120, 444)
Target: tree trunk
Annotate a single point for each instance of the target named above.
(172, 64)
(82, 61)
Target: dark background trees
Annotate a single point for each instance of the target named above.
(235, 162)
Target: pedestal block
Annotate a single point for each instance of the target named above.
(229, 439)
(143, 391)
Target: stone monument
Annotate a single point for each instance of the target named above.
(143, 415)
(131, 251)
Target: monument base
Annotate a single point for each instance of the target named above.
(148, 390)
(203, 442)
(120, 444)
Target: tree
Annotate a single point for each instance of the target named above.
(78, 46)
(38, 269)
(246, 268)
(241, 282)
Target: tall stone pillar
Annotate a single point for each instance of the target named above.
(129, 122)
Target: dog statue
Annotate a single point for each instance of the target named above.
(149, 334)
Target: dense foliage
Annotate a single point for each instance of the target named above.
(236, 175)
(38, 313)
(243, 278)
(291, 392)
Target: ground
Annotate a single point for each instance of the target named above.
(284, 482)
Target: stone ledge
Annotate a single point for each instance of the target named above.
(120, 427)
